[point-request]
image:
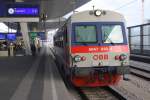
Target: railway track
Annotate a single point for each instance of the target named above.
(140, 73)
(100, 93)
(96, 93)
(140, 69)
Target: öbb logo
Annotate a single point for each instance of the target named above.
(101, 57)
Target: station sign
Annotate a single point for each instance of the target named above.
(8, 36)
(41, 35)
(33, 35)
(22, 10)
(2, 36)
(11, 37)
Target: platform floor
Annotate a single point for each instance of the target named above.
(31, 78)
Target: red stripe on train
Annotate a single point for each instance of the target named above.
(95, 49)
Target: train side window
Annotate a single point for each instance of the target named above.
(65, 33)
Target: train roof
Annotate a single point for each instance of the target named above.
(88, 16)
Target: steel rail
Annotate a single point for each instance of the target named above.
(97, 93)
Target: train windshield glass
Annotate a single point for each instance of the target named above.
(112, 34)
(85, 33)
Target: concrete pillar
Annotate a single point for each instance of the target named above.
(24, 31)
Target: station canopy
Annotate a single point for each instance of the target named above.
(54, 9)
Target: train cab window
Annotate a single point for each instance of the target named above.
(85, 33)
(112, 34)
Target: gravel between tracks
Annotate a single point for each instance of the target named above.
(135, 89)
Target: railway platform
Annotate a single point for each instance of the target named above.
(31, 78)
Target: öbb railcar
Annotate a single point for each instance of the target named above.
(92, 48)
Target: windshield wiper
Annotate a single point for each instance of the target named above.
(107, 38)
(111, 41)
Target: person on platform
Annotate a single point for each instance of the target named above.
(33, 49)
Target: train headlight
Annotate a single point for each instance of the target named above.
(97, 12)
(123, 57)
(77, 58)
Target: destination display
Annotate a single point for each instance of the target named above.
(19, 9)
(23, 11)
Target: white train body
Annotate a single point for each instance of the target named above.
(90, 43)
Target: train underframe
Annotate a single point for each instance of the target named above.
(97, 76)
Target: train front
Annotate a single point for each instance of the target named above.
(99, 50)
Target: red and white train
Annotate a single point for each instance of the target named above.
(92, 48)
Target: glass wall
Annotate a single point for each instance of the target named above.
(135, 41)
(146, 39)
(139, 39)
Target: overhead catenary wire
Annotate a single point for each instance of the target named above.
(131, 2)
